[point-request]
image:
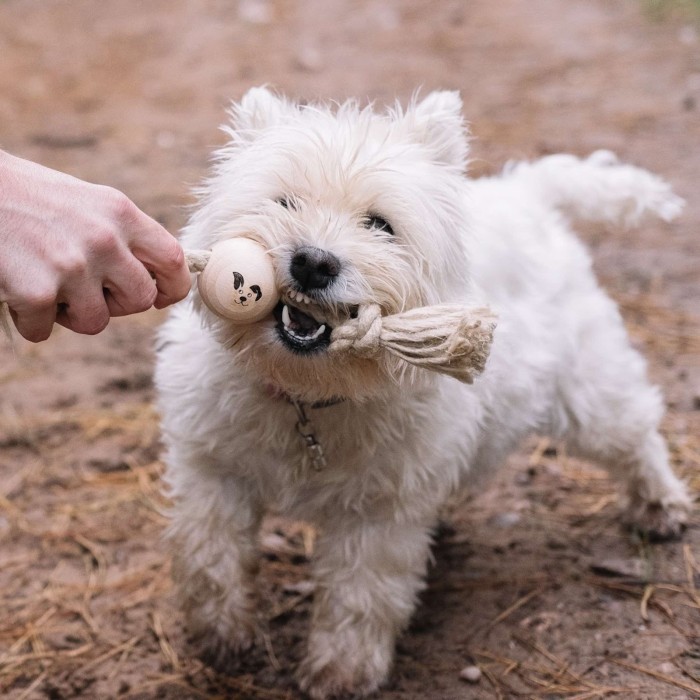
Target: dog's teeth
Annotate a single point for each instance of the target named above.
(298, 296)
(321, 330)
(285, 316)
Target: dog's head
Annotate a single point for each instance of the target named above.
(356, 207)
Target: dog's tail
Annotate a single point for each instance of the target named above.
(599, 188)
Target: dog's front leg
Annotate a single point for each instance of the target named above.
(368, 578)
(213, 533)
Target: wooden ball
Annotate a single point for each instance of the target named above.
(238, 282)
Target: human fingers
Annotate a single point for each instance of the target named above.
(162, 255)
(84, 308)
(132, 290)
(35, 320)
(166, 261)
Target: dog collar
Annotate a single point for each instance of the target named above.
(276, 393)
(313, 455)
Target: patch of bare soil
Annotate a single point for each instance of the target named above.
(534, 581)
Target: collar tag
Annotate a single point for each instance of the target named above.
(313, 455)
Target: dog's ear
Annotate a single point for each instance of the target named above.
(259, 108)
(438, 123)
(237, 280)
(255, 288)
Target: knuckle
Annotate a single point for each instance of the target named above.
(120, 212)
(104, 241)
(174, 256)
(123, 209)
(40, 298)
(70, 265)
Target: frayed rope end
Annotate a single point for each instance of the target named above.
(449, 339)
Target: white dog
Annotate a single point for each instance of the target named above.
(358, 207)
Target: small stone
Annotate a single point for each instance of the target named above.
(471, 674)
(309, 59)
(667, 667)
(505, 520)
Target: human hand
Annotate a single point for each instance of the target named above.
(75, 253)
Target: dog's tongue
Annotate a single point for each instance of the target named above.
(303, 321)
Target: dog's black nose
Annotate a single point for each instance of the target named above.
(314, 268)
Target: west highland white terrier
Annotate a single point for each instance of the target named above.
(360, 207)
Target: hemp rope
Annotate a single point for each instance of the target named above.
(445, 338)
(448, 338)
(197, 259)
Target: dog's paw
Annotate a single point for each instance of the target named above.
(338, 679)
(656, 521)
(338, 670)
(223, 650)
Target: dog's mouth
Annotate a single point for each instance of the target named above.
(299, 331)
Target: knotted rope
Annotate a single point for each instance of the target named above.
(447, 338)
(197, 259)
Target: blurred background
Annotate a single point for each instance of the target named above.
(534, 582)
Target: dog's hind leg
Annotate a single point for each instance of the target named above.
(610, 413)
(213, 541)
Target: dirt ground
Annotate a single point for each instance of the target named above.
(533, 581)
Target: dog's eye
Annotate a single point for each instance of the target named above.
(379, 223)
(287, 203)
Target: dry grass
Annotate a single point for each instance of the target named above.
(86, 590)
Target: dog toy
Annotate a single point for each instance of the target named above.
(447, 338)
(237, 280)
(237, 283)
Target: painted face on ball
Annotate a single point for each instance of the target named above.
(246, 295)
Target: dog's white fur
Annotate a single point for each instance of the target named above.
(561, 364)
